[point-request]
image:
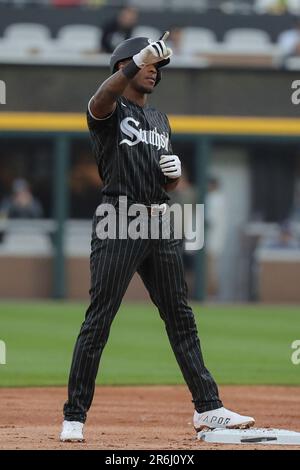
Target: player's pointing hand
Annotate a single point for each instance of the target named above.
(155, 52)
(170, 166)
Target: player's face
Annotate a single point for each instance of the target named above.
(145, 79)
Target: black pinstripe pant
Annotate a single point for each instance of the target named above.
(113, 264)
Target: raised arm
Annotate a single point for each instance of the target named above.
(103, 102)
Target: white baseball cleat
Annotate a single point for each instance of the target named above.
(72, 431)
(221, 418)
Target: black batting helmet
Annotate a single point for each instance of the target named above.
(128, 48)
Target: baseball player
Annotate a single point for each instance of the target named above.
(131, 143)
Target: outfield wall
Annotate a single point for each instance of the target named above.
(208, 92)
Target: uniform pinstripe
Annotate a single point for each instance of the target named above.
(132, 169)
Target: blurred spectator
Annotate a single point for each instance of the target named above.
(295, 215)
(95, 3)
(289, 41)
(175, 40)
(119, 29)
(21, 204)
(216, 217)
(277, 7)
(271, 6)
(286, 239)
(85, 187)
(235, 6)
(183, 45)
(67, 3)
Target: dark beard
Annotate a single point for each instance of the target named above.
(144, 90)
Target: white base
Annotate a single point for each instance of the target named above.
(251, 436)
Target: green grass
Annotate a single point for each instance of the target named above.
(241, 344)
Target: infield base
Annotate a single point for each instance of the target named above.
(251, 436)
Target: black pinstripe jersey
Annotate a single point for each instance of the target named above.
(127, 146)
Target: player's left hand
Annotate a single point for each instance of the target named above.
(170, 166)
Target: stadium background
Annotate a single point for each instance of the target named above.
(233, 121)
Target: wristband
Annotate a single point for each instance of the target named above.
(171, 180)
(130, 70)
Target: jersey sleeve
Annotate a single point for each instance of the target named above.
(102, 125)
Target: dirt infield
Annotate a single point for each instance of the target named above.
(137, 417)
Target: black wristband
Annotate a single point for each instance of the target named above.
(171, 180)
(130, 70)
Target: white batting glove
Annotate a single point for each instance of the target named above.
(155, 52)
(170, 166)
